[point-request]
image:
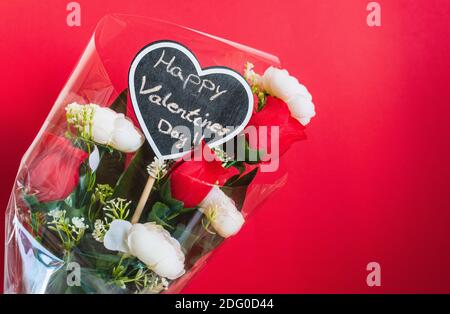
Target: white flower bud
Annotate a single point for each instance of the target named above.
(301, 108)
(225, 218)
(102, 124)
(154, 246)
(267, 80)
(279, 83)
(108, 127)
(150, 243)
(125, 136)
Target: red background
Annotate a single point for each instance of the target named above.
(370, 184)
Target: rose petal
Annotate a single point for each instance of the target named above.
(51, 171)
(125, 136)
(192, 180)
(154, 246)
(94, 159)
(275, 113)
(103, 124)
(227, 220)
(116, 237)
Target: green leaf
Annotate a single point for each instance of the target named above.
(230, 180)
(35, 206)
(242, 146)
(111, 167)
(187, 209)
(250, 152)
(236, 187)
(166, 197)
(120, 104)
(73, 211)
(160, 213)
(81, 196)
(166, 192)
(238, 180)
(239, 166)
(244, 180)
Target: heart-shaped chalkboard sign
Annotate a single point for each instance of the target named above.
(179, 104)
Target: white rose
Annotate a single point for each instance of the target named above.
(102, 124)
(112, 128)
(225, 218)
(150, 243)
(154, 246)
(279, 83)
(125, 136)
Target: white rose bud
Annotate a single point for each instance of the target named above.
(102, 124)
(154, 246)
(125, 136)
(301, 108)
(225, 218)
(112, 128)
(279, 83)
(267, 80)
(150, 243)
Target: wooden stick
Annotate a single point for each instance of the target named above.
(143, 200)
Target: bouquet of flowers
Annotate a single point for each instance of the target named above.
(113, 196)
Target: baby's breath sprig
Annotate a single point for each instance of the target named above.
(250, 75)
(80, 117)
(102, 192)
(222, 155)
(117, 208)
(255, 81)
(69, 231)
(100, 228)
(155, 284)
(157, 169)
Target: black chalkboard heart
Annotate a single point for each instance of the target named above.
(179, 104)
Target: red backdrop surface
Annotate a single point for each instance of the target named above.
(370, 184)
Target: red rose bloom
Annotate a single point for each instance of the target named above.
(276, 113)
(192, 180)
(51, 171)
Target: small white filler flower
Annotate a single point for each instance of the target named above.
(78, 223)
(99, 230)
(157, 169)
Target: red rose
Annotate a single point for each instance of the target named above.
(192, 180)
(51, 171)
(276, 113)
